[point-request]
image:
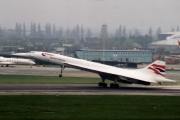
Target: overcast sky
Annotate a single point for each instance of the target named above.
(139, 14)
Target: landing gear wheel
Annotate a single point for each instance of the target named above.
(114, 85)
(101, 84)
(104, 85)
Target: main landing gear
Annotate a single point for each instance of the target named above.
(102, 84)
(62, 68)
(112, 85)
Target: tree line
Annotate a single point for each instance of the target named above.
(79, 36)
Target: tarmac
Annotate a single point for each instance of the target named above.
(78, 89)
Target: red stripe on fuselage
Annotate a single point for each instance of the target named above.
(156, 71)
(48, 54)
(159, 66)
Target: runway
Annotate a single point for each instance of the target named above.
(85, 89)
(78, 89)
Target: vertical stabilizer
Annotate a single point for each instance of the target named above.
(158, 67)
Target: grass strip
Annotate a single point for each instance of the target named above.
(30, 79)
(88, 107)
(35, 79)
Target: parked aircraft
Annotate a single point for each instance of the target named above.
(153, 73)
(15, 61)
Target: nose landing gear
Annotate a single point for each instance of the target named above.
(62, 69)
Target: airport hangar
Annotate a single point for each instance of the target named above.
(167, 42)
(169, 46)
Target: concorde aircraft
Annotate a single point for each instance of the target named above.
(153, 73)
(15, 61)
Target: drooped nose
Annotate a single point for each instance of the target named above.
(21, 54)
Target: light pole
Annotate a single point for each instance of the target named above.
(104, 34)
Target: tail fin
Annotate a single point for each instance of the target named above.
(158, 67)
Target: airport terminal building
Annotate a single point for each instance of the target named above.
(130, 58)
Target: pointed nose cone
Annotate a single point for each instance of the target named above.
(33, 63)
(21, 54)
